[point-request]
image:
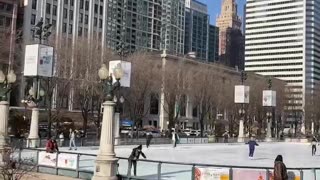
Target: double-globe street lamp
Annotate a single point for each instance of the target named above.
(106, 162)
(5, 87)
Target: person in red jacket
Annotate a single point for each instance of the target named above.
(52, 146)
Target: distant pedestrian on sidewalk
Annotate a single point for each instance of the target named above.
(252, 144)
(135, 154)
(314, 143)
(61, 139)
(280, 169)
(175, 138)
(72, 137)
(149, 138)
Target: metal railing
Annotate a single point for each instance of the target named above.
(147, 169)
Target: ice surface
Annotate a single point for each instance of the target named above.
(295, 155)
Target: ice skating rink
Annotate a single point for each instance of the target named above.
(295, 155)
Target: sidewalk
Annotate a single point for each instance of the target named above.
(40, 176)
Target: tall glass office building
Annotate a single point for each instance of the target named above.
(197, 29)
(142, 24)
(282, 41)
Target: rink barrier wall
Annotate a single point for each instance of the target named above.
(78, 172)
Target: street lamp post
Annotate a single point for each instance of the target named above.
(118, 110)
(32, 101)
(5, 88)
(106, 162)
(269, 120)
(244, 99)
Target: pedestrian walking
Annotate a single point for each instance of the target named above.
(175, 138)
(280, 169)
(132, 160)
(314, 145)
(72, 136)
(226, 136)
(149, 138)
(252, 143)
(61, 139)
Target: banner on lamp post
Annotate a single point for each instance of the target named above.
(126, 67)
(241, 94)
(269, 98)
(38, 60)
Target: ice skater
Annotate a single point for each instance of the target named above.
(72, 137)
(175, 138)
(252, 144)
(135, 154)
(314, 145)
(149, 138)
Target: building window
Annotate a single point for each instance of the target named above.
(80, 18)
(71, 2)
(65, 13)
(96, 8)
(86, 19)
(54, 10)
(9, 7)
(80, 31)
(54, 22)
(95, 22)
(34, 4)
(48, 8)
(183, 105)
(87, 5)
(33, 19)
(195, 112)
(154, 104)
(1, 21)
(70, 28)
(64, 27)
(101, 10)
(47, 21)
(71, 15)
(81, 4)
(100, 23)
(65, 1)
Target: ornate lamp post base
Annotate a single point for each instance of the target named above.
(106, 162)
(4, 113)
(241, 132)
(33, 139)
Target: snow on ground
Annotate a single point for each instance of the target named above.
(296, 155)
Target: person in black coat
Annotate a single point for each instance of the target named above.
(149, 138)
(252, 143)
(135, 154)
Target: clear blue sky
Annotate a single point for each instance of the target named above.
(215, 5)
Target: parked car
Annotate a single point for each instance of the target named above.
(187, 132)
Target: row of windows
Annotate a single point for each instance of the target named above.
(274, 37)
(5, 21)
(287, 75)
(274, 59)
(273, 42)
(272, 48)
(277, 64)
(279, 70)
(6, 7)
(275, 20)
(269, 4)
(275, 31)
(276, 53)
(275, 25)
(276, 14)
(273, 9)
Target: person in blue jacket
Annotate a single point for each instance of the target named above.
(252, 144)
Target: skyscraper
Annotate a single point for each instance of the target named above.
(140, 24)
(197, 29)
(282, 41)
(213, 55)
(231, 44)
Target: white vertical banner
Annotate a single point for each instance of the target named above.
(126, 67)
(269, 98)
(241, 94)
(38, 60)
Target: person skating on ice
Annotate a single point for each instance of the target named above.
(135, 154)
(314, 143)
(252, 144)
